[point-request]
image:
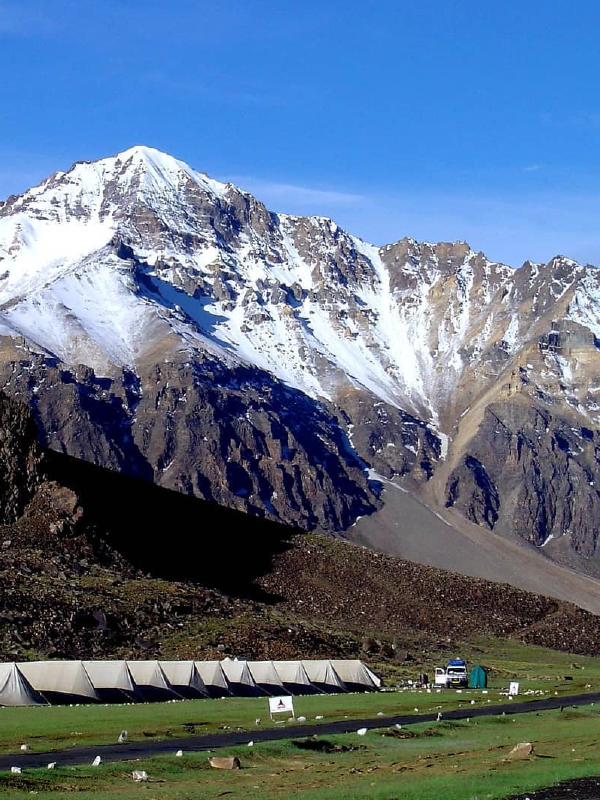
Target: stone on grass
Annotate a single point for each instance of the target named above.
(521, 750)
(139, 775)
(225, 762)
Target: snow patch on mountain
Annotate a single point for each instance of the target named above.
(104, 262)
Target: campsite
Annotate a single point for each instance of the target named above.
(35, 683)
(416, 761)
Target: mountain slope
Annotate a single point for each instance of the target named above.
(169, 326)
(96, 564)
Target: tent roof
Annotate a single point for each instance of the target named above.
(183, 673)
(237, 672)
(65, 677)
(265, 673)
(148, 673)
(110, 675)
(354, 671)
(212, 673)
(322, 671)
(292, 672)
(15, 690)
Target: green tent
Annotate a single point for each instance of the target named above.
(477, 678)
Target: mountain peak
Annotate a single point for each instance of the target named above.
(163, 168)
(142, 151)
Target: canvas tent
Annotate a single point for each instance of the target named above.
(356, 676)
(69, 682)
(213, 678)
(294, 677)
(240, 679)
(112, 681)
(265, 675)
(477, 678)
(15, 690)
(322, 675)
(59, 681)
(152, 681)
(184, 678)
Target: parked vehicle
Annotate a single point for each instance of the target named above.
(453, 675)
(456, 670)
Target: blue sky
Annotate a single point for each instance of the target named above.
(434, 119)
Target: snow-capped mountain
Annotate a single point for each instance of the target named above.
(167, 324)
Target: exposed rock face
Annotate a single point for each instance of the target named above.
(391, 441)
(226, 434)
(20, 459)
(170, 326)
(540, 476)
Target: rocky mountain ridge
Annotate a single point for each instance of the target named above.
(170, 326)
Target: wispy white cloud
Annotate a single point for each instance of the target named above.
(533, 168)
(283, 196)
(507, 226)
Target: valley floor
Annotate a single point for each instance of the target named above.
(450, 759)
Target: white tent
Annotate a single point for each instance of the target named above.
(59, 681)
(265, 675)
(15, 690)
(322, 675)
(357, 677)
(112, 681)
(214, 678)
(151, 680)
(294, 677)
(184, 678)
(240, 679)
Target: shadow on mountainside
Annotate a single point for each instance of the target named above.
(171, 535)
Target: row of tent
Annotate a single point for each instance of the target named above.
(68, 682)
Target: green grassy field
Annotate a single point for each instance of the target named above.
(450, 760)
(454, 761)
(56, 728)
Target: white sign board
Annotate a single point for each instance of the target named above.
(513, 687)
(277, 705)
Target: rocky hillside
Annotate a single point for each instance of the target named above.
(171, 327)
(93, 564)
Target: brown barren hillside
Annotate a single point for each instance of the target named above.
(94, 564)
